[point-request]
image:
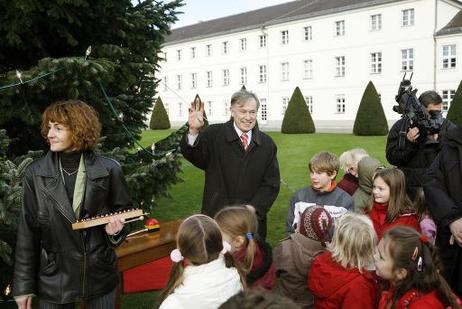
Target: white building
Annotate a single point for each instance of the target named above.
(331, 49)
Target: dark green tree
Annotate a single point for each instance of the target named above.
(159, 116)
(455, 110)
(370, 118)
(297, 118)
(47, 42)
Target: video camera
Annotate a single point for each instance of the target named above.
(415, 112)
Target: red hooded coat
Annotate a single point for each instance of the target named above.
(334, 286)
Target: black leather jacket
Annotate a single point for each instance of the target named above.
(53, 261)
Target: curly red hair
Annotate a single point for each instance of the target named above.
(79, 117)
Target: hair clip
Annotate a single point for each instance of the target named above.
(424, 239)
(415, 254)
(249, 235)
(176, 256)
(419, 264)
(226, 247)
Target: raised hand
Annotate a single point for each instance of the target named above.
(196, 116)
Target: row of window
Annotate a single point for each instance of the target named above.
(340, 105)
(449, 61)
(375, 24)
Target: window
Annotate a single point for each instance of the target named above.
(285, 103)
(376, 62)
(226, 77)
(179, 82)
(340, 104)
(193, 80)
(309, 103)
(180, 109)
(447, 96)
(165, 83)
(209, 108)
(407, 59)
(449, 56)
(340, 28)
(407, 18)
(307, 69)
(340, 66)
(262, 40)
(264, 110)
(308, 33)
(209, 79)
(226, 105)
(193, 52)
(376, 22)
(285, 37)
(243, 44)
(262, 74)
(243, 76)
(178, 54)
(208, 50)
(225, 47)
(285, 71)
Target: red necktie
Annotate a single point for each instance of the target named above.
(244, 140)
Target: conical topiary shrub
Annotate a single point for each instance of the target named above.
(370, 118)
(455, 110)
(159, 117)
(297, 118)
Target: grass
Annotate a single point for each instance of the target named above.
(294, 152)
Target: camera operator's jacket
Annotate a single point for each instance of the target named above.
(415, 158)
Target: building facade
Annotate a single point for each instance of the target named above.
(330, 49)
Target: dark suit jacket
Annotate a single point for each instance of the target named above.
(232, 175)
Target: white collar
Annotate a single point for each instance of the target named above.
(239, 132)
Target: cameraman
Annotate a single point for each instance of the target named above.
(416, 150)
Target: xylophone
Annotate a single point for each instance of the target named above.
(104, 219)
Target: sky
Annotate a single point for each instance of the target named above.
(203, 10)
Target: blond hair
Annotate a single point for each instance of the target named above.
(200, 241)
(350, 158)
(354, 241)
(242, 221)
(324, 162)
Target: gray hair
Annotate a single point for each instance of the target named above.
(242, 96)
(430, 97)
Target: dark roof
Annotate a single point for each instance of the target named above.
(267, 16)
(454, 26)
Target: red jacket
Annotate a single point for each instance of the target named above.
(334, 286)
(413, 299)
(378, 215)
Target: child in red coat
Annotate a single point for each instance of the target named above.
(408, 262)
(339, 278)
(391, 206)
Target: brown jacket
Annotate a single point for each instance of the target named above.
(292, 259)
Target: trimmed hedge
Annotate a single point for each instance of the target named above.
(455, 110)
(159, 117)
(370, 118)
(297, 118)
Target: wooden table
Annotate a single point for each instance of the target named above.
(146, 247)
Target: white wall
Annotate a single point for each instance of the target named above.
(356, 45)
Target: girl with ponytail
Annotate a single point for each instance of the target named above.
(204, 274)
(409, 262)
(239, 227)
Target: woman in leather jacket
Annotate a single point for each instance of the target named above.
(60, 265)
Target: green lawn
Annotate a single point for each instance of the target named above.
(294, 152)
